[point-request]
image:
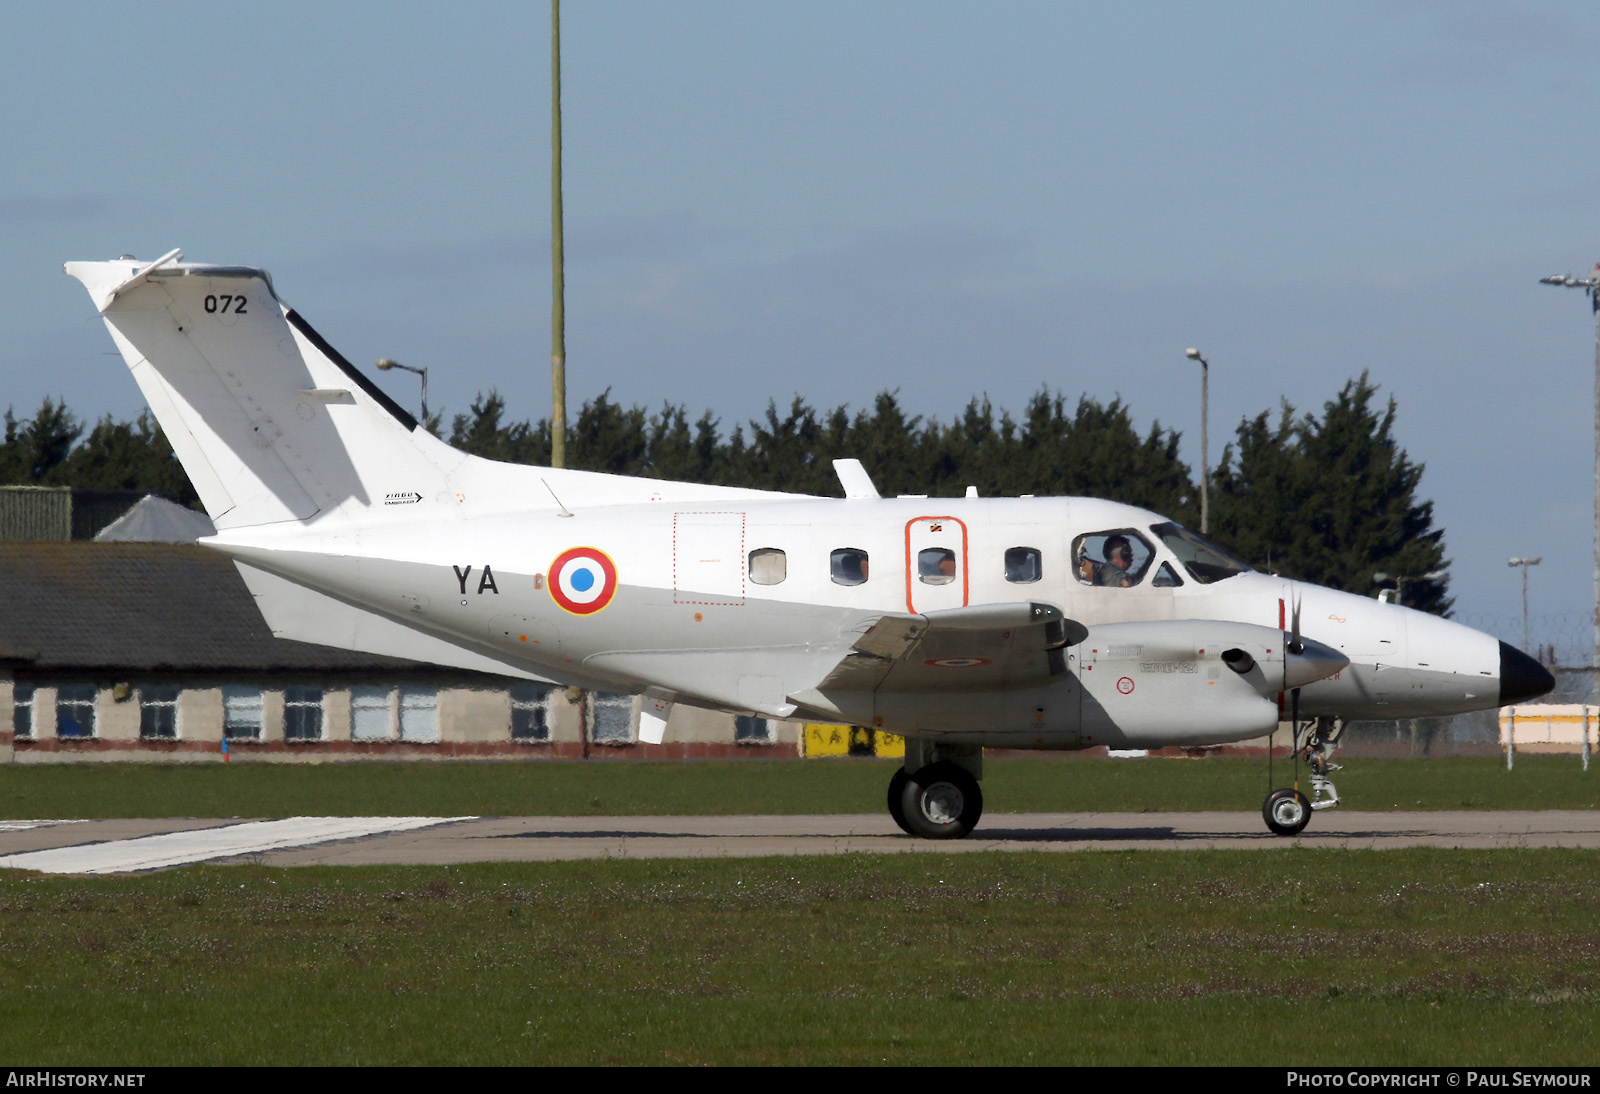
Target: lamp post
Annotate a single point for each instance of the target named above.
(1524, 563)
(1589, 285)
(1205, 382)
(386, 364)
(558, 263)
(1400, 581)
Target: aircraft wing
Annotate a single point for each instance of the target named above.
(983, 647)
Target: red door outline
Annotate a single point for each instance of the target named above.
(911, 570)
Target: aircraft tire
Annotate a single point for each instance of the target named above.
(1286, 811)
(941, 801)
(897, 789)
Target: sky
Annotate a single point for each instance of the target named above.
(833, 199)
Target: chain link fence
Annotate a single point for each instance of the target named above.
(1562, 641)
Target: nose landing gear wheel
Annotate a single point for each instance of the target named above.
(941, 801)
(1286, 811)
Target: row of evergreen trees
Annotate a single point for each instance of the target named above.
(1330, 498)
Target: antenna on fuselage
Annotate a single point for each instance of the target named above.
(565, 512)
(855, 480)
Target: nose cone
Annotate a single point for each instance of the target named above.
(1521, 677)
(1313, 662)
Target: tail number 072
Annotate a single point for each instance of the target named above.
(225, 304)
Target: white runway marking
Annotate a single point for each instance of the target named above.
(178, 848)
(24, 825)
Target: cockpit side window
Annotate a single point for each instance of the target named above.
(849, 566)
(1114, 559)
(1166, 577)
(1206, 561)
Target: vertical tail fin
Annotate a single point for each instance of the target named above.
(269, 421)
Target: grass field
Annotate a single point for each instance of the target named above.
(1283, 957)
(1286, 956)
(1011, 784)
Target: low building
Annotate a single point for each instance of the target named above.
(1549, 727)
(155, 651)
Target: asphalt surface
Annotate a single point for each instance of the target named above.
(120, 846)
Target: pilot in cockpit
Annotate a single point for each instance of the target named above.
(1119, 563)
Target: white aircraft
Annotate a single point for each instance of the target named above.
(1037, 623)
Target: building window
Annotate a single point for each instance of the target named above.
(158, 712)
(75, 710)
(242, 713)
(530, 713)
(21, 709)
(370, 719)
(302, 713)
(751, 730)
(1023, 565)
(768, 566)
(849, 566)
(610, 718)
(419, 714)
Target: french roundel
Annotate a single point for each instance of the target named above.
(583, 580)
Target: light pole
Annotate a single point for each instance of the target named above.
(1524, 563)
(558, 265)
(1400, 581)
(1205, 382)
(386, 364)
(1588, 285)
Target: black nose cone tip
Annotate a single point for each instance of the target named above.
(1521, 677)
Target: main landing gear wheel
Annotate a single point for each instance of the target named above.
(941, 801)
(897, 787)
(1286, 811)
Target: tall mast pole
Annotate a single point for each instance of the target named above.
(558, 307)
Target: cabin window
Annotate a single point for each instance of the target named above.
(768, 566)
(302, 713)
(1023, 565)
(849, 566)
(936, 565)
(75, 710)
(242, 713)
(530, 713)
(1114, 559)
(158, 712)
(21, 709)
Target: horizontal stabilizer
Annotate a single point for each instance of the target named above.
(294, 611)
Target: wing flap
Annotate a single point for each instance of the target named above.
(985, 647)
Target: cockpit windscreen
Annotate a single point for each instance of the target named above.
(1205, 561)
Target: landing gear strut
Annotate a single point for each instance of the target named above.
(935, 795)
(1287, 811)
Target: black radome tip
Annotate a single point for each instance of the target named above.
(1521, 677)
